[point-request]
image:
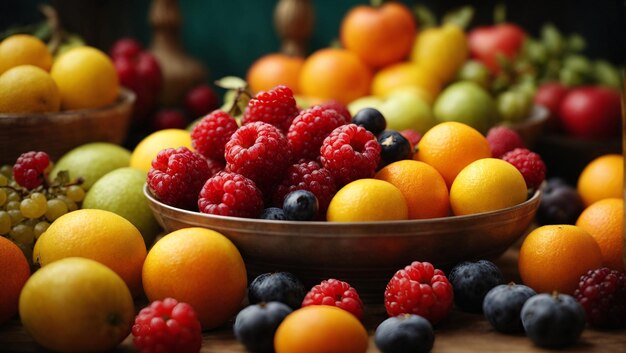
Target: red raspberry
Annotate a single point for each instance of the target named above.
(230, 194)
(340, 108)
(529, 164)
(176, 177)
(309, 129)
(215, 166)
(211, 134)
(309, 176)
(350, 152)
(276, 106)
(602, 293)
(502, 140)
(167, 326)
(30, 169)
(419, 289)
(337, 293)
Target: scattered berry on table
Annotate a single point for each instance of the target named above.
(371, 119)
(471, 281)
(30, 169)
(282, 287)
(230, 194)
(300, 205)
(393, 147)
(212, 132)
(602, 293)
(405, 333)
(273, 213)
(502, 140)
(256, 325)
(337, 293)
(340, 108)
(311, 176)
(276, 107)
(503, 304)
(560, 203)
(530, 164)
(309, 129)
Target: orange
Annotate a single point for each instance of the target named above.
(275, 69)
(405, 74)
(604, 220)
(200, 267)
(28, 89)
(603, 177)
(333, 73)
(24, 49)
(379, 35)
(14, 271)
(423, 188)
(148, 148)
(553, 257)
(321, 329)
(366, 200)
(450, 146)
(99, 235)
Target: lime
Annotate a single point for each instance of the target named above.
(466, 102)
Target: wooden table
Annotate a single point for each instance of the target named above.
(459, 333)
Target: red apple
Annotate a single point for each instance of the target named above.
(169, 119)
(126, 47)
(592, 112)
(487, 42)
(201, 100)
(550, 95)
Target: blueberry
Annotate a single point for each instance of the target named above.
(560, 203)
(371, 119)
(300, 205)
(256, 325)
(503, 304)
(281, 287)
(273, 213)
(406, 333)
(553, 320)
(393, 147)
(471, 281)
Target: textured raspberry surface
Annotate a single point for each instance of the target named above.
(276, 106)
(350, 152)
(211, 134)
(176, 177)
(230, 194)
(309, 129)
(337, 293)
(29, 169)
(419, 289)
(309, 176)
(529, 164)
(167, 326)
(502, 140)
(602, 293)
(340, 108)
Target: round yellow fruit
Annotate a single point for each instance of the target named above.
(367, 200)
(149, 147)
(402, 75)
(28, 89)
(24, 49)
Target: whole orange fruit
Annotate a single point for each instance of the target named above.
(200, 267)
(604, 220)
(14, 271)
(553, 257)
(275, 69)
(365, 200)
(321, 329)
(24, 49)
(380, 36)
(603, 177)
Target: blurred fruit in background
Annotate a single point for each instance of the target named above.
(592, 112)
(489, 43)
(201, 100)
(275, 69)
(468, 103)
(169, 119)
(405, 74)
(28, 89)
(441, 50)
(602, 178)
(24, 49)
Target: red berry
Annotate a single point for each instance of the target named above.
(350, 152)
(201, 100)
(126, 47)
(340, 108)
(126, 72)
(29, 169)
(530, 164)
(230, 194)
(309, 176)
(309, 129)
(419, 289)
(602, 293)
(337, 293)
(276, 106)
(149, 70)
(211, 134)
(169, 119)
(502, 140)
(412, 136)
(167, 326)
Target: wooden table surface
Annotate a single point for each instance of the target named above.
(459, 333)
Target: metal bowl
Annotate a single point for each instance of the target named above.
(365, 254)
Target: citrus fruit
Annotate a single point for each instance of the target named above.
(321, 329)
(466, 102)
(275, 69)
(367, 200)
(200, 267)
(149, 147)
(604, 220)
(86, 78)
(602, 178)
(333, 73)
(76, 305)
(406, 108)
(423, 188)
(28, 89)
(99, 235)
(553, 257)
(487, 184)
(404, 74)
(24, 49)
(14, 271)
(441, 51)
(121, 191)
(451, 146)
(91, 161)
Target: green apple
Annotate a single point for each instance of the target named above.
(466, 102)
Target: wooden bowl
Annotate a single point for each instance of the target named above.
(57, 133)
(365, 254)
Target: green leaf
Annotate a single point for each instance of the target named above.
(231, 82)
(499, 13)
(62, 178)
(461, 16)
(425, 18)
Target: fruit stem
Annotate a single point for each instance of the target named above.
(55, 27)
(376, 3)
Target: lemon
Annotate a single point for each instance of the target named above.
(367, 200)
(148, 148)
(405, 74)
(28, 89)
(24, 49)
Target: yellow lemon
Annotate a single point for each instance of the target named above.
(24, 49)
(367, 200)
(441, 50)
(148, 148)
(405, 74)
(28, 89)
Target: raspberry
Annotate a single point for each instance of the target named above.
(167, 326)
(350, 152)
(529, 164)
(502, 140)
(309, 176)
(177, 175)
(419, 289)
(337, 293)
(276, 106)
(340, 108)
(602, 293)
(211, 134)
(258, 151)
(30, 169)
(214, 166)
(309, 129)
(230, 194)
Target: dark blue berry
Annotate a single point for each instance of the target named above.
(393, 147)
(553, 320)
(560, 203)
(273, 213)
(371, 119)
(503, 304)
(281, 287)
(256, 325)
(406, 333)
(471, 281)
(300, 205)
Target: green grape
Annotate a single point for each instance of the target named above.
(3, 196)
(13, 196)
(71, 205)
(514, 106)
(576, 43)
(40, 227)
(578, 63)
(4, 181)
(5, 222)
(56, 209)
(13, 205)
(570, 77)
(552, 39)
(75, 193)
(16, 216)
(6, 170)
(23, 234)
(32, 209)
